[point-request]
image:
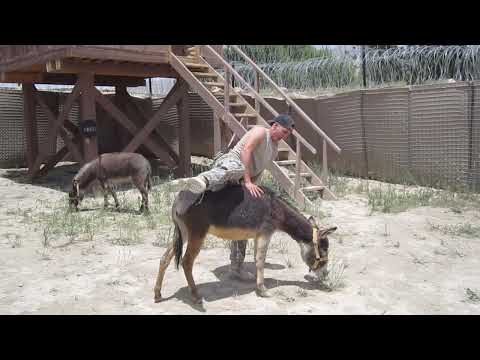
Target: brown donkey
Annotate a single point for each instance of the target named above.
(233, 214)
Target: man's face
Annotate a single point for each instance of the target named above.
(278, 132)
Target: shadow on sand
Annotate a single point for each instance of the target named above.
(58, 178)
(227, 287)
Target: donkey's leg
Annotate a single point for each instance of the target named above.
(164, 262)
(139, 182)
(114, 195)
(105, 194)
(193, 248)
(261, 245)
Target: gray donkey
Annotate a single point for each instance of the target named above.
(109, 169)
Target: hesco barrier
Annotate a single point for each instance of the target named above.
(430, 132)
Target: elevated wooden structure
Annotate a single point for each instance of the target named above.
(194, 66)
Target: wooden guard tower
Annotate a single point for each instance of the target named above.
(195, 67)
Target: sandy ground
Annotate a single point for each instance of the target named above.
(393, 264)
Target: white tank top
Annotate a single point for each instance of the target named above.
(265, 152)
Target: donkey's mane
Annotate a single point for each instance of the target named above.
(84, 175)
(83, 170)
(295, 223)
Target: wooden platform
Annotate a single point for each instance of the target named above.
(59, 64)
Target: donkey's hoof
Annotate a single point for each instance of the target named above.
(263, 293)
(158, 298)
(197, 299)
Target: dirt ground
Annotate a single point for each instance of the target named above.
(425, 260)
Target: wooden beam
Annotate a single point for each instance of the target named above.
(88, 112)
(71, 127)
(28, 60)
(30, 124)
(59, 156)
(185, 153)
(52, 135)
(172, 98)
(68, 79)
(20, 77)
(69, 66)
(52, 118)
(100, 80)
(130, 126)
(120, 55)
(158, 137)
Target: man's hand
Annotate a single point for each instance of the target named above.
(254, 189)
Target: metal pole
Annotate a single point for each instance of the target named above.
(364, 73)
(150, 86)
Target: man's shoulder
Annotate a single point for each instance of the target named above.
(257, 130)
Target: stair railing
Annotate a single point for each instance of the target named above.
(229, 70)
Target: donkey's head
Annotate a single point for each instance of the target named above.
(315, 254)
(75, 196)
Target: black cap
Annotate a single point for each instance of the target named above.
(285, 120)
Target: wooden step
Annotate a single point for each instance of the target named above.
(313, 188)
(304, 174)
(204, 74)
(191, 65)
(217, 84)
(285, 162)
(244, 115)
(191, 59)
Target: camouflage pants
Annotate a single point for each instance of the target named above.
(237, 252)
(225, 170)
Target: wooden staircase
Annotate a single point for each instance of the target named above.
(294, 176)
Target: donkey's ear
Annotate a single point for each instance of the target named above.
(313, 222)
(328, 231)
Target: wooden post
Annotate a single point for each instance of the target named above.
(184, 148)
(227, 91)
(217, 134)
(30, 124)
(324, 162)
(298, 165)
(53, 107)
(223, 137)
(88, 112)
(257, 89)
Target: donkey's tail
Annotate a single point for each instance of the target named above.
(177, 234)
(178, 244)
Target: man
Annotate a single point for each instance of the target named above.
(244, 164)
